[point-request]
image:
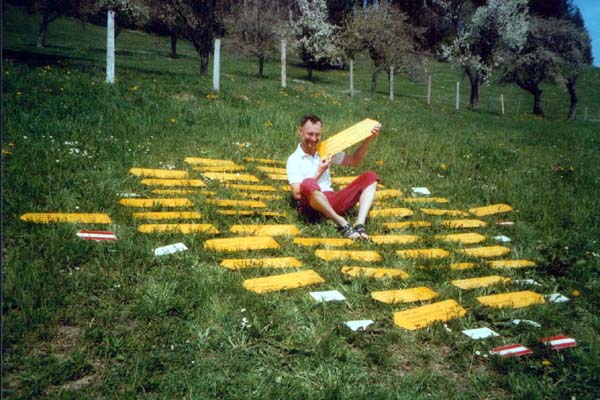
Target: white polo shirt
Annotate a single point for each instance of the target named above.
(301, 166)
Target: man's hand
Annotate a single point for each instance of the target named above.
(323, 167)
(375, 131)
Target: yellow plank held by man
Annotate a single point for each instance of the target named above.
(149, 203)
(441, 211)
(464, 223)
(475, 283)
(376, 273)
(178, 228)
(497, 264)
(490, 210)
(521, 299)
(420, 317)
(423, 253)
(346, 138)
(237, 203)
(463, 238)
(166, 215)
(283, 282)
(241, 243)
(325, 242)
(225, 176)
(265, 230)
(47, 218)
(207, 161)
(407, 224)
(394, 239)
(391, 212)
(485, 251)
(266, 262)
(361, 255)
(404, 295)
(159, 173)
(173, 182)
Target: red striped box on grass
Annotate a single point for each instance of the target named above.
(511, 350)
(559, 342)
(97, 235)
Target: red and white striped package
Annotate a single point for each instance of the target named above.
(512, 350)
(559, 342)
(96, 235)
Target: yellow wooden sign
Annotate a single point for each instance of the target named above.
(394, 239)
(511, 263)
(387, 193)
(462, 265)
(177, 228)
(474, 283)
(272, 170)
(149, 203)
(490, 210)
(207, 161)
(361, 255)
(159, 173)
(173, 182)
(407, 224)
(167, 215)
(424, 200)
(463, 238)
(404, 295)
(464, 223)
(259, 196)
(485, 251)
(423, 253)
(374, 272)
(326, 242)
(391, 212)
(441, 211)
(251, 188)
(219, 168)
(521, 299)
(346, 138)
(420, 317)
(264, 160)
(237, 203)
(265, 262)
(265, 230)
(47, 218)
(283, 282)
(226, 176)
(241, 243)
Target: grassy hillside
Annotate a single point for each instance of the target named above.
(110, 320)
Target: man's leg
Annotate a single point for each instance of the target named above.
(365, 202)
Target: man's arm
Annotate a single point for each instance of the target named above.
(356, 158)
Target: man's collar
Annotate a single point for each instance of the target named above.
(303, 153)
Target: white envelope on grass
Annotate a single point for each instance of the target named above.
(329, 295)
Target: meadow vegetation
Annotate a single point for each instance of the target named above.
(83, 319)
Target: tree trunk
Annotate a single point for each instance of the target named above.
(43, 30)
(475, 84)
(572, 98)
(374, 81)
(173, 43)
(537, 101)
(261, 65)
(204, 59)
(310, 72)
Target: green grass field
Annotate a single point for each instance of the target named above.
(84, 319)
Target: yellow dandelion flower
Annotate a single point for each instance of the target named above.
(575, 293)
(443, 167)
(19, 93)
(11, 145)
(379, 162)
(6, 152)
(134, 88)
(546, 363)
(173, 120)
(268, 123)
(211, 96)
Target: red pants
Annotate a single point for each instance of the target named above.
(341, 201)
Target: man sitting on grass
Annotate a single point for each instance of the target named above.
(310, 180)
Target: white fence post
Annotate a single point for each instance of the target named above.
(110, 47)
(429, 91)
(585, 114)
(351, 78)
(391, 83)
(502, 102)
(217, 65)
(283, 64)
(457, 95)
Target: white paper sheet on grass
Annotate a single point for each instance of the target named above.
(421, 190)
(329, 295)
(170, 249)
(360, 324)
(480, 333)
(502, 238)
(526, 321)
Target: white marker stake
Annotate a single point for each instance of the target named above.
(217, 65)
(429, 91)
(391, 83)
(351, 78)
(110, 48)
(457, 95)
(283, 64)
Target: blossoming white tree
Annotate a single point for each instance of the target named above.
(493, 31)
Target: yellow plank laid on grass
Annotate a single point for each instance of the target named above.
(423, 316)
(464, 238)
(484, 281)
(374, 272)
(387, 193)
(173, 182)
(511, 263)
(407, 224)
(183, 191)
(521, 299)
(462, 265)
(149, 203)
(242, 243)
(423, 253)
(265, 230)
(266, 262)
(47, 218)
(394, 239)
(219, 168)
(391, 212)
(167, 215)
(177, 228)
(464, 223)
(362, 255)
(326, 242)
(485, 251)
(283, 282)
(346, 138)
(159, 173)
(441, 211)
(251, 188)
(225, 176)
(490, 210)
(343, 180)
(242, 213)
(207, 161)
(259, 196)
(404, 295)
(277, 177)
(237, 203)
(272, 170)
(425, 200)
(264, 160)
